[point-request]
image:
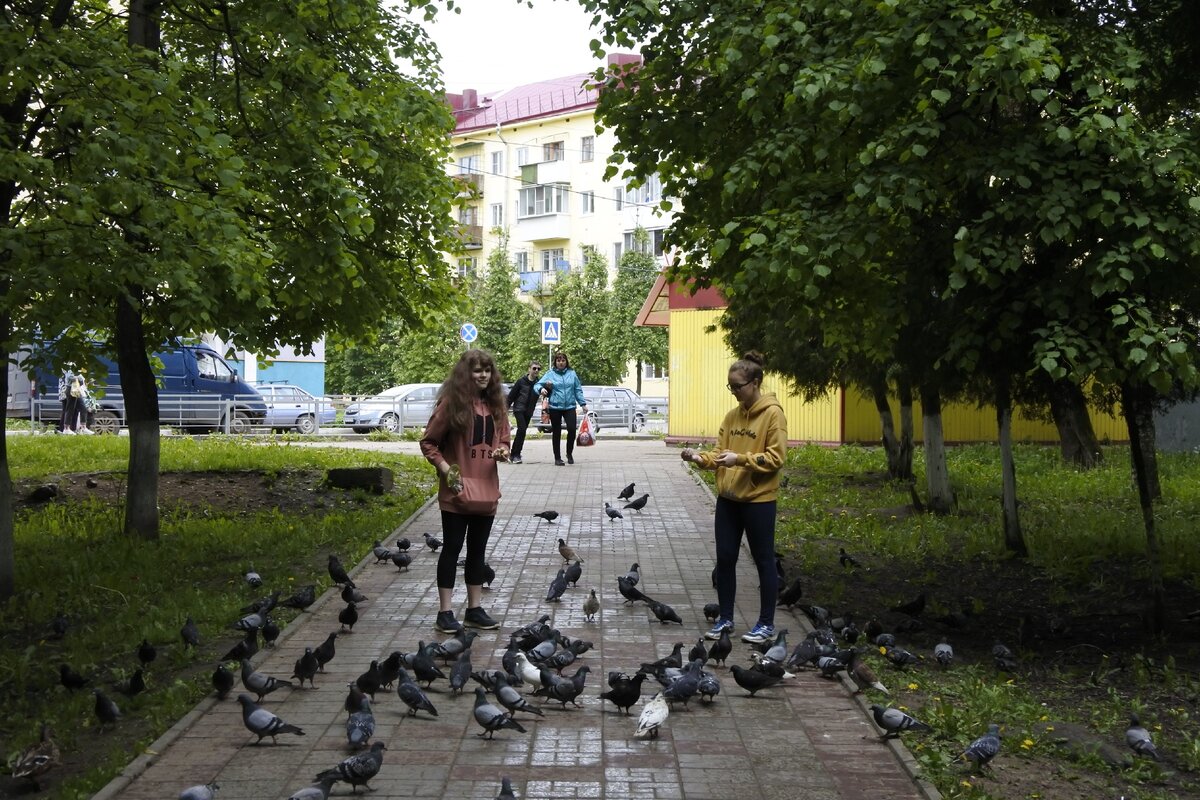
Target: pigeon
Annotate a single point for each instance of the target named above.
(626, 493)
(488, 576)
(318, 791)
(634, 576)
(253, 621)
(698, 651)
(403, 543)
(246, 648)
(260, 684)
(591, 607)
(526, 671)
(817, 615)
(456, 644)
(357, 769)
(753, 680)
(306, 668)
(348, 616)
(566, 690)
(506, 790)
(805, 653)
(1138, 739)
(135, 685)
(885, 640)
(270, 632)
(663, 611)
(985, 748)
(38, 758)
(369, 681)
(206, 791)
(325, 651)
(686, 686)
(1003, 658)
(491, 718)
(863, 676)
(709, 686)
(351, 594)
(613, 514)
(190, 634)
(567, 552)
(893, 721)
(780, 577)
(557, 586)
(106, 710)
(830, 666)
(549, 516)
(337, 572)
(629, 591)
(460, 672)
(412, 696)
(354, 699)
(360, 726)
(302, 599)
(943, 653)
(790, 595)
(71, 679)
(59, 625)
(262, 605)
(432, 542)
(222, 681)
(146, 652)
(912, 608)
(624, 691)
(721, 648)
(382, 554)
(712, 612)
(673, 659)
(573, 573)
(253, 579)
(639, 504)
(389, 669)
(513, 700)
(847, 560)
(652, 718)
(423, 667)
(900, 657)
(401, 559)
(777, 651)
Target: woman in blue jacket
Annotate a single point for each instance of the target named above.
(562, 386)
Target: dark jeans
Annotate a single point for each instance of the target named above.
(757, 521)
(455, 529)
(557, 418)
(69, 418)
(522, 424)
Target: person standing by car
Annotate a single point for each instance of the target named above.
(751, 450)
(467, 434)
(564, 390)
(68, 398)
(522, 399)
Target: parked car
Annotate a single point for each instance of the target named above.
(291, 407)
(406, 406)
(613, 407)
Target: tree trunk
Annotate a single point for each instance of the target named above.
(639, 377)
(1014, 540)
(899, 463)
(1144, 408)
(141, 414)
(1076, 436)
(937, 476)
(905, 395)
(1137, 408)
(8, 559)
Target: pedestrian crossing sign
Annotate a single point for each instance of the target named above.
(551, 330)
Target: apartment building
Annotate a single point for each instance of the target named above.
(530, 161)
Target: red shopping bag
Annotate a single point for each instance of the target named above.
(545, 413)
(587, 436)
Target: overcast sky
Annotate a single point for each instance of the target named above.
(498, 44)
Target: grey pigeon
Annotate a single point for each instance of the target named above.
(630, 592)
(654, 714)
(893, 721)
(712, 612)
(318, 791)
(263, 723)
(591, 606)
(549, 516)
(348, 616)
(403, 543)
(190, 634)
(638, 504)
(627, 492)
(262, 605)
(491, 718)
(222, 681)
(401, 559)
(847, 560)
(106, 710)
(432, 542)
(613, 514)
(338, 572)
(634, 576)
(1138, 739)
(943, 653)
(255, 620)
(1003, 658)
(753, 680)
(698, 651)
(425, 670)
(686, 686)
(456, 644)
(205, 791)
(777, 652)
(985, 748)
(307, 667)
(246, 648)
(253, 579)
(805, 653)
(360, 726)
(260, 684)
(325, 651)
(270, 632)
(506, 790)
(566, 690)
(573, 573)
(460, 672)
(709, 687)
(302, 599)
(664, 612)
(382, 554)
(412, 696)
(351, 594)
(357, 769)
(900, 657)
(721, 648)
(557, 587)
(672, 659)
(513, 700)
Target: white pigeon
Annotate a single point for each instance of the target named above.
(527, 672)
(203, 792)
(652, 718)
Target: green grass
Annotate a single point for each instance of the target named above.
(116, 591)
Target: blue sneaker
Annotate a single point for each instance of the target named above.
(722, 626)
(759, 633)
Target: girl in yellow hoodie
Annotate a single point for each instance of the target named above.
(751, 448)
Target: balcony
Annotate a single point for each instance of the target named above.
(470, 184)
(470, 236)
(543, 227)
(546, 172)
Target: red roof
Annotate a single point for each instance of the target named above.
(531, 101)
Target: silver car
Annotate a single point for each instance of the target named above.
(616, 407)
(292, 407)
(406, 406)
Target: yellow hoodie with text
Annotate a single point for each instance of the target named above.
(759, 437)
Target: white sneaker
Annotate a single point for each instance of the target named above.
(68, 432)
(87, 431)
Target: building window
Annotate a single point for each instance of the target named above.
(655, 245)
(468, 215)
(586, 251)
(466, 267)
(587, 202)
(497, 214)
(522, 156)
(498, 162)
(522, 259)
(537, 201)
(587, 148)
(653, 371)
(618, 251)
(619, 196)
(554, 151)
(649, 192)
(468, 165)
(554, 259)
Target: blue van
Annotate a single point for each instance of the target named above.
(197, 390)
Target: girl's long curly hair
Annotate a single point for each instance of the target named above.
(459, 391)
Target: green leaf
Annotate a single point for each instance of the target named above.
(941, 95)
(757, 239)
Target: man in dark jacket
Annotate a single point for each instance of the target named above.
(523, 402)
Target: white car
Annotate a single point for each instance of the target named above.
(407, 406)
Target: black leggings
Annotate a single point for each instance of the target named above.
(757, 521)
(456, 528)
(557, 418)
(522, 425)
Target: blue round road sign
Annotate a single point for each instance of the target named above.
(468, 332)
